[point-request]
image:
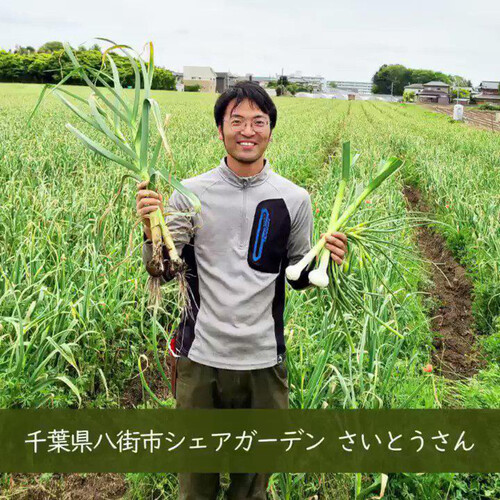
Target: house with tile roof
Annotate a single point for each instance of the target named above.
(489, 92)
(434, 93)
(204, 76)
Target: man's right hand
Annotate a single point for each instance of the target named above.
(146, 202)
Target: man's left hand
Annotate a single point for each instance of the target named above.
(336, 243)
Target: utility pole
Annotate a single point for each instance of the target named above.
(392, 89)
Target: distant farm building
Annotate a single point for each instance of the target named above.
(222, 82)
(414, 87)
(204, 76)
(225, 80)
(354, 87)
(435, 93)
(489, 92)
(317, 83)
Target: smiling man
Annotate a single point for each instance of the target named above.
(230, 348)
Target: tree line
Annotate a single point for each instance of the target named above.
(49, 64)
(392, 78)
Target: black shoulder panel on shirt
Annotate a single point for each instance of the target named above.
(185, 332)
(269, 237)
(278, 309)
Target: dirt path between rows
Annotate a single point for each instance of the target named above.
(456, 355)
(66, 487)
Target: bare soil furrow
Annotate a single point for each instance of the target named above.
(456, 354)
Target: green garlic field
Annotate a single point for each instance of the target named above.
(73, 296)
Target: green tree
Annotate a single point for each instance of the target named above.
(399, 76)
(50, 66)
(293, 88)
(40, 68)
(391, 78)
(51, 47)
(11, 66)
(408, 96)
(463, 94)
(24, 50)
(280, 90)
(287, 86)
(460, 81)
(427, 75)
(163, 79)
(332, 85)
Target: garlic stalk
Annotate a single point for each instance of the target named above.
(319, 276)
(128, 127)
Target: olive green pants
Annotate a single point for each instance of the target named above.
(201, 386)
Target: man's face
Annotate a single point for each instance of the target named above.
(246, 145)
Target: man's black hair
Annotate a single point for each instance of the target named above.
(246, 90)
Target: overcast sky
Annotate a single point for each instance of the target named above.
(346, 40)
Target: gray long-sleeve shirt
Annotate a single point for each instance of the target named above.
(237, 249)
